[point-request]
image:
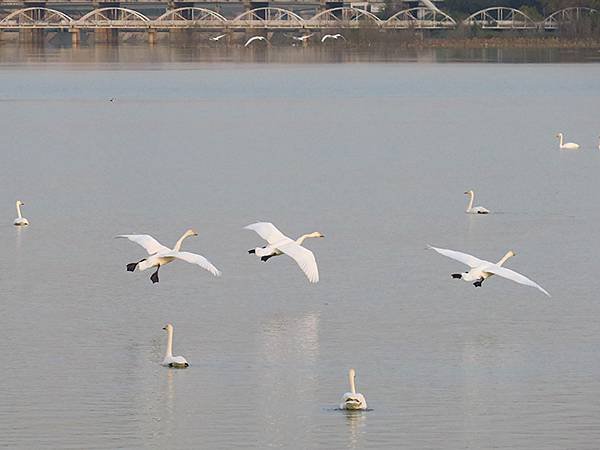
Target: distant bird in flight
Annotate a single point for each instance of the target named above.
(112, 99)
(161, 255)
(332, 36)
(255, 38)
(482, 270)
(303, 38)
(216, 38)
(280, 244)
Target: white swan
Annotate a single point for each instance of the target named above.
(255, 38)
(217, 38)
(353, 400)
(598, 142)
(278, 244)
(303, 38)
(178, 362)
(332, 36)
(20, 221)
(474, 209)
(482, 270)
(568, 145)
(161, 255)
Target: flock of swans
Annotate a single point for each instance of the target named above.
(304, 38)
(279, 244)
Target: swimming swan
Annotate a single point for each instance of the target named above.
(177, 362)
(279, 244)
(568, 145)
(477, 209)
(161, 255)
(482, 270)
(20, 221)
(353, 400)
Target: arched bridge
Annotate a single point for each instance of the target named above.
(271, 18)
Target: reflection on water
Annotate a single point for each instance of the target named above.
(356, 422)
(145, 55)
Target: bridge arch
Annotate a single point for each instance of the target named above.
(420, 18)
(567, 15)
(113, 17)
(500, 18)
(268, 17)
(188, 16)
(345, 15)
(36, 17)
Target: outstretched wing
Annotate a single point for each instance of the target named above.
(148, 242)
(464, 258)
(304, 258)
(514, 276)
(193, 258)
(267, 231)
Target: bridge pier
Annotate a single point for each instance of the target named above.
(75, 37)
(152, 36)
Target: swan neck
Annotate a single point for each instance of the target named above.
(19, 211)
(560, 136)
(504, 258)
(352, 385)
(180, 241)
(471, 199)
(301, 239)
(169, 353)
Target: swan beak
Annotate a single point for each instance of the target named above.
(164, 328)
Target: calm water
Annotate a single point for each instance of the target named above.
(375, 156)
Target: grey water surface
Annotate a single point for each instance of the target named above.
(376, 156)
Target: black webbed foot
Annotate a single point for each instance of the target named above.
(478, 283)
(266, 258)
(251, 252)
(154, 276)
(131, 267)
(457, 275)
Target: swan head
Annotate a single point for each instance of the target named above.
(559, 135)
(316, 234)
(469, 192)
(168, 327)
(20, 203)
(191, 232)
(510, 254)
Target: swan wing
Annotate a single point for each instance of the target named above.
(193, 258)
(464, 258)
(514, 276)
(151, 245)
(304, 258)
(267, 231)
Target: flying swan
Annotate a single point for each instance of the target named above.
(353, 400)
(332, 36)
(279, 244)
(217, 38)
(474, 209)
(482, 270)
(161, 255)
(255, 38)
(303, 38)
(568, 145)
(20, 221)
(177, 362)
